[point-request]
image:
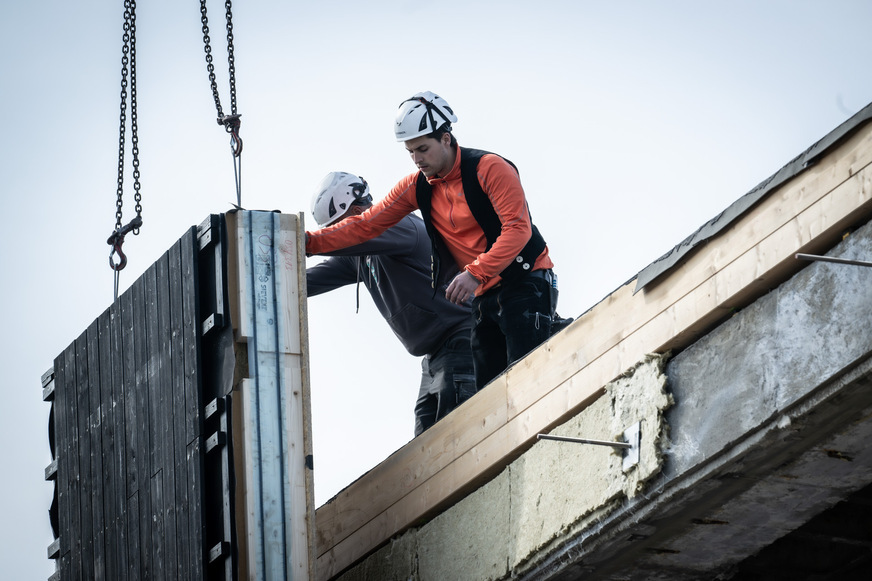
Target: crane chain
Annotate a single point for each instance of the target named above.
(128, 80)
(210, 67)
(230, 122)
(128, 70)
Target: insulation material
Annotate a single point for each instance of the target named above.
(560, 487)
(476, 534)
(554, 490)
(640, 396)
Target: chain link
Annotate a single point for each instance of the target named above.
(125, 51)
(128, 81)
(230, 122)
(128, 71)
(210, 67)
(134, 120)
(231, 61)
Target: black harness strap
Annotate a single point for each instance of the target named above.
(483, 212)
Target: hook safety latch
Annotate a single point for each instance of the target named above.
(232, 123)
(117, 239)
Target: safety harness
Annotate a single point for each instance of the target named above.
(483, 211)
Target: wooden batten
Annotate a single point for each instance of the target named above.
(808, 213)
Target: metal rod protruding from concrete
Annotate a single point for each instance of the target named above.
(583, 441)
(833, 259)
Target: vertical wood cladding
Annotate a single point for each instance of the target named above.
(127, 422)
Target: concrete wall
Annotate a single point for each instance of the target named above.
(771, 355)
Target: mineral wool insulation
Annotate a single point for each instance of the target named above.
(554, 490)
(558, 488)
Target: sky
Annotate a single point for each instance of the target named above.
(632, 124)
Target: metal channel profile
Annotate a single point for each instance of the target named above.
(273, 423)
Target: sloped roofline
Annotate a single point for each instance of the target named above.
(649, 275)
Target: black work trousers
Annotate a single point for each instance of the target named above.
(509, 321)
(447, 380)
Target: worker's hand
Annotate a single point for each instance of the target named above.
(462, 288)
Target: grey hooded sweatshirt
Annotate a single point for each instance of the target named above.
(395, 268)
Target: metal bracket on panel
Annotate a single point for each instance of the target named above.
(212, 321)
(630, 445)
(814, 257)
(222, 549)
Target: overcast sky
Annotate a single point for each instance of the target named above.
(632, 123)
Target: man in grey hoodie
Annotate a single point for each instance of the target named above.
(395, 269)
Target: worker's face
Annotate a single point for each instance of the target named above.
(434, 157)
(353, 210)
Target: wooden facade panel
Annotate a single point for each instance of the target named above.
(163, 423)
(64, 418)
(109, 443)
(95, 427)
(127, 414)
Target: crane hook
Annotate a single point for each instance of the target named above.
(232, 123)
(116, 240)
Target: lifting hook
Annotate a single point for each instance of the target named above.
(231, 123)
(117, 239)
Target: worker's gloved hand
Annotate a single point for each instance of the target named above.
(461, 290)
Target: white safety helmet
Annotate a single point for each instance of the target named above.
(422, 114)
(336, 193)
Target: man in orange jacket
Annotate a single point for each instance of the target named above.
(485, 247)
